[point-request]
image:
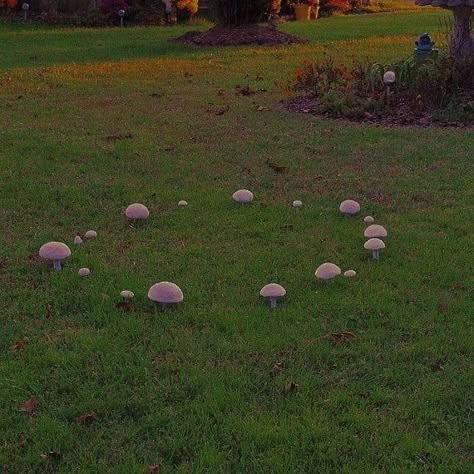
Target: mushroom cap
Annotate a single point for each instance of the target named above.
(182, 203)
(83, 272)
(137, 211)
(350, 273)
(127, 294)
(90, 234)
(326, 271)
(349, 206)
(369, 220)
(272, 290)
(375, 230)
(242, 196)
(374, 244)
(77, 240)
(389, 78)
(297, 204)
(165, 292)
(54, 251)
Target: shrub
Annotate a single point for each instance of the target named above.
(241, 12)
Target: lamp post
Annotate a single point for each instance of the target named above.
(121, 14)
(25, 7)
(389, 79)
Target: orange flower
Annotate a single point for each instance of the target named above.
(11, 3)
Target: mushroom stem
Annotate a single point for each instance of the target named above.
(273, 302)
(57, 265)
(375, 254)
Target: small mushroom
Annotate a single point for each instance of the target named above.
(375, 231)
(369, 220)
(182, 203)
(272, 292)
(297, 204)
(90, 234)
(127, 295)
(166, 293)
(375, 245)
(83, 272)
(137, 211)
(243, 196)
(349, 207)
(350, 273)
(77, 240)
(55, 251)
(327, 271)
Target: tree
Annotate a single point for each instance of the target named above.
(462, 45)
(241, 12)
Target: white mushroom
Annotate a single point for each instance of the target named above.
(369, 220)
(77, 240)
(327, 271)
(349, 207)
(137, 211)
(272, 292)
(389, 78)
(90, 234)
(83, 272)
(166, 293)
(375, 245)
(243, 196)
(55, 251)
(350, 273)
(297, 204)
(127, 295)
(182, 203)
(375, 231)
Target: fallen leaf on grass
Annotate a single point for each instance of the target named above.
(277, 368)
(153, 468)
(123, 305)
(119, 136)
(87, 417)
(340, 337)
(220, 111)
(442, 306)
(261, 108)
(22, 441)
(19, 345)
(51, 455)
(29, 406)
(291, 387)
(49, 311)
(437, 366)
(289, 227)
(276, 168)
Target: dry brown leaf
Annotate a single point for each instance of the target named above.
(277, 368)
(291, 387)
(153, 468)
(340, 337)
(29, 406)
(49, 311)
(86, 417)
(19, 345)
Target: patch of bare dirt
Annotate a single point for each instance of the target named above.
(399, 115)
(239, 35)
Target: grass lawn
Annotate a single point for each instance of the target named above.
(93, 120)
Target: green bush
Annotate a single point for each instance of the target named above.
(241, 12)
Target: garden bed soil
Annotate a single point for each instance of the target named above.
(239, 35)
(401, 114)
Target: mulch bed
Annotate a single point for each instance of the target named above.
(401, 115)
(239, 35)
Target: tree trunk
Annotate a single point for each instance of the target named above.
(462, 43)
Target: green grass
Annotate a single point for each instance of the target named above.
(190, 389)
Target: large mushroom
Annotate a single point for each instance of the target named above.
(375, 245)
(55, 251)
(243, 196)
(90, 234)
(137, 211)
(375, 231)
(349, 207)
(165, 293)
(327, 271)
(272, 292)
(462, 44)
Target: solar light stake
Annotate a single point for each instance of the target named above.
(121, 14)
(25, 7)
